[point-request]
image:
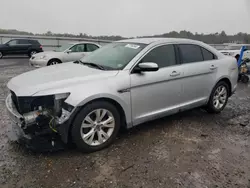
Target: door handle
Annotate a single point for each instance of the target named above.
(174, 74)
(213, 67)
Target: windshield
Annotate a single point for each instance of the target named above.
(115, 55)
(63, 48)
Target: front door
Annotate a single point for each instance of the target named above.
(199, 75)
(76, 53)
(155, 94)
(23, 46)
(12, 47)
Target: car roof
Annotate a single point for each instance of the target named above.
(84, 42)
(23, 39)
(156, 40)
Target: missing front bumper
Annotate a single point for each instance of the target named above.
(43, 139)
(36, 143)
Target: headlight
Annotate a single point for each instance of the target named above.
(58, 101)
(61, 96)
(43, 57)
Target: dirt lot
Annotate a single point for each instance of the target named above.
(192, 149)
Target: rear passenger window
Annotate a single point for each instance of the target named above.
(207, 55)
(91, 47)
(164, 56)
(34, 42)
(23, 42)
(190, 53)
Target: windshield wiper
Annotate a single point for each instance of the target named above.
(92, 64)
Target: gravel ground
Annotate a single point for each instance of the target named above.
(193, 149)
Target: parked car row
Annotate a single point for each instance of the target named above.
(38, 58)
(66, 53)
(122, 84)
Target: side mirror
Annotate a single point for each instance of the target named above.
(69, 51)
(6, 44)
(146, 67)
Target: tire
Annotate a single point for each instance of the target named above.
(216, 106)
(32, 52)
(53, 62)
(90, 137)
(1, 55)
(245, 79)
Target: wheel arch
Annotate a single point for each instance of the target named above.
(227, 80)
(66, 131)
(57, 59)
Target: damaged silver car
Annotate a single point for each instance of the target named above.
(123, 84)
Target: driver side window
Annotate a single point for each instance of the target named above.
(78, 48)
(164, 56)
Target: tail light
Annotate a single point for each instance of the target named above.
(41, 46)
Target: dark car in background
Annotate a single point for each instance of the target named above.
(20, 47)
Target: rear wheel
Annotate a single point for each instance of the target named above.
(218, 98)
(96, 126)
(1, 55)
(54, 62)
(32, 52)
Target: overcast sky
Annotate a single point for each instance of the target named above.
(125, 17)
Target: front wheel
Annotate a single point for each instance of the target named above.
(53, 62)
(218, 98)
(96, 126)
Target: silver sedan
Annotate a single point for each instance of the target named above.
(123, 84)
(66, 53)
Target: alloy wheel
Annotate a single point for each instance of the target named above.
(97, 127)
(220, 97)
(54, 63)
(32, 53)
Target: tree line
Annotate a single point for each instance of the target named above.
(213, 38)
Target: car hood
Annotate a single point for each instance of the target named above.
(55, 77)
(2, 45)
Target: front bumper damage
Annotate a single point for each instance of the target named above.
(34, 131)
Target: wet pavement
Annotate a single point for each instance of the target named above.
(193, 149)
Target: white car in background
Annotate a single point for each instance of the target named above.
(66, 53)
(235, 49)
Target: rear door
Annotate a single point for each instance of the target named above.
(23, 45)
(90, 48)
(155, 94)
(200, 69)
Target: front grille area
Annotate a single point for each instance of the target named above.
(28, 104)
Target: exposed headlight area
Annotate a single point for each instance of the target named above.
(43, 57)
(42, 112)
